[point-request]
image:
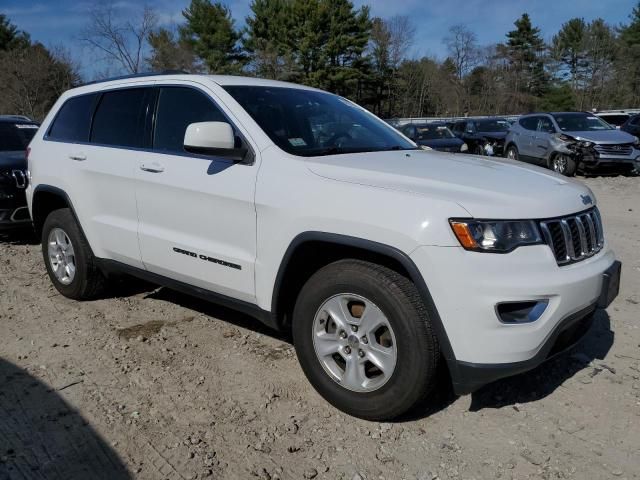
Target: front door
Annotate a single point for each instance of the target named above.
(197, 219)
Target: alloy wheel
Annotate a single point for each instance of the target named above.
(61, 256)
(354, 342)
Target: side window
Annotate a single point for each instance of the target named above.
(73, 121)
(470, 127)
(177, 108)
(545, 125)
(635, 120)
(529, 123)
(120, 118)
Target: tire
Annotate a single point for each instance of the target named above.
(409, 333)
(87, 281)
(563, 164)
(512, 152)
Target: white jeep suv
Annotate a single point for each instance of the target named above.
(306, 211)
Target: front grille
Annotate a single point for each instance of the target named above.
(574, 237)
(622, 149)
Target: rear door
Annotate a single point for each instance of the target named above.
(197, 215)
(94, 139)
(542, 140)
(526, 137)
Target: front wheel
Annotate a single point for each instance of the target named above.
(563, 164)
(364, 339)
(512, 152)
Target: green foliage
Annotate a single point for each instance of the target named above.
(210, 31)
(10, 36)
(169, 53)
(316, 42)
(558, 99)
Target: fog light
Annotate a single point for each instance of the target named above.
(521, 312)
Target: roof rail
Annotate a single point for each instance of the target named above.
(136, 75)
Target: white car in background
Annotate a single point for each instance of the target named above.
(303, 209)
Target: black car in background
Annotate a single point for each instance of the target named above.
(434, 135)
(15, 134)
(484, 136)
(632, 125)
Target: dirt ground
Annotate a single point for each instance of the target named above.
(153, 384)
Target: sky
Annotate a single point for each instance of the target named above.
(59, 22)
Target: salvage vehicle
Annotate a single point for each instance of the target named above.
(570, 141)
(387, 262)
(484, 136)
(16, 132)
(435, 135)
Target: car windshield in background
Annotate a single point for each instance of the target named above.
(16, 136)
(310, 123)
(492, 125)
(433, 132)
(580, 122)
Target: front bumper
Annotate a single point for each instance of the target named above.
(468, 287)
(13, 208)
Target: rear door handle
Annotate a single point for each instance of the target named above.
(78, 157)
(153, 167)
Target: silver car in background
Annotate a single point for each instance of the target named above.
(568, 141)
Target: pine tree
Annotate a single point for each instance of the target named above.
(569, 48)
(211, 32)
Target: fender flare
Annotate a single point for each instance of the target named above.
(381, 249)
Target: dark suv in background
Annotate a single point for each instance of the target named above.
(568, 141)
(435, 135)
(15, 134)
(484, 136)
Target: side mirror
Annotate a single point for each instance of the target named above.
(213, 138)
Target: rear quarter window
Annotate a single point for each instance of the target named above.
(73, 121)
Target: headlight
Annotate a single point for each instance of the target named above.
(585, 144)
(636, 142)
(464, 147)
(499, 236)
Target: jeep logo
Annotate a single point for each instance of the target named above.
(586, 199)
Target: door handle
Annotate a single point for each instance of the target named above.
(152, 167)
(78, 157)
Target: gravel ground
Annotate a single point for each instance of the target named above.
(153, 384)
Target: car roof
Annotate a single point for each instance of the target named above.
(222, 80)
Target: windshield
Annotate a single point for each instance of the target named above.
(16, 136)
(492, 125)
(310, 123)
(433, 132)
(580, 122)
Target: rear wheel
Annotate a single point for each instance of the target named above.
(364, 339)
(563, 164)
(68, 258)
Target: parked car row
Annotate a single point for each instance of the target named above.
(388, 264)
(565, 142)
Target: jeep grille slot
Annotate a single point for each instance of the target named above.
(574, 237)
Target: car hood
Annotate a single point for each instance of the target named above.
(603, 136)
(13, 160)
(485, 187)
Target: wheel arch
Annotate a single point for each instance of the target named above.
(46, 199)
(310, 251)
